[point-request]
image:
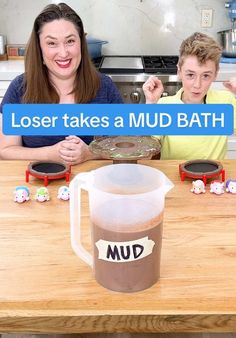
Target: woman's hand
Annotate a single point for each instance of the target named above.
(153, 89)
(231, 85)
(73, 150)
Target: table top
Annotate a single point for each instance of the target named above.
(45, 287)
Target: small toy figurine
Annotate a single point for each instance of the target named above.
(198, 187)
(42, 194)
(217, 187)
(21, 194)
(63, 193)
(231, 186)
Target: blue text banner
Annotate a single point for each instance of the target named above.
(118, 119)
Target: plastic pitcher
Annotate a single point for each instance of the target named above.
(126, 204)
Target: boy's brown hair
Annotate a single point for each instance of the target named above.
(202, 46)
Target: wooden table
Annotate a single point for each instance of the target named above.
(45, 287)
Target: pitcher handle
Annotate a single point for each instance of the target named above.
(168, 185)
(78, 183)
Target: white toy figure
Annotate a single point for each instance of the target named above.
(217, 187)
(21, 194)
(42, 194)
(63, 193)
(231, 186)
(198, 187)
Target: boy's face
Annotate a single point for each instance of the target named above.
(196, 79)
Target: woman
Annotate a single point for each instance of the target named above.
(198, 67)
(58, 69)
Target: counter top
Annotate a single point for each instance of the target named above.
(226, 71)
(10, 69)
(45, 287)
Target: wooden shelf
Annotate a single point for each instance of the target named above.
(3, 57)
(15, 57)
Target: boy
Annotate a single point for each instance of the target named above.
(197, 68)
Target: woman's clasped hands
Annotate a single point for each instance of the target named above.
(73, 150)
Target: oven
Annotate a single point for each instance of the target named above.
(130, 72)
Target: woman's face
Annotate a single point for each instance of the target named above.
(196, 79)
(61, 48)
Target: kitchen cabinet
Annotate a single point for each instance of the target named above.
(8, 71)
(225, 73)
(231, 153)
(3, 87)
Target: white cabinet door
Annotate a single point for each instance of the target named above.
(3, 87)
(218, 86)
(231, 153)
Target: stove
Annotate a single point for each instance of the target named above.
(166, 64)
(160, 64)
(130, 72)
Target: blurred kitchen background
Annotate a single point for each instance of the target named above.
(132, 27)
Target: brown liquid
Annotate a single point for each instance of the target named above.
(134, 275)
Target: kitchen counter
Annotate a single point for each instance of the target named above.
(226, 71)
(45, 287)
(10, 69)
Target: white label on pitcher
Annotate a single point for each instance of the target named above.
(120, 252)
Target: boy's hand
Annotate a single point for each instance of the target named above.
(231, 85)
(153, 89)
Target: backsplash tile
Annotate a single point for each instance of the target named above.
(132, 27)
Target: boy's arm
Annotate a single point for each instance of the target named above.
(153, 89)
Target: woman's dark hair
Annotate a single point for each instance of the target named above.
(38, 88)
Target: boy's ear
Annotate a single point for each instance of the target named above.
(178, 72)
